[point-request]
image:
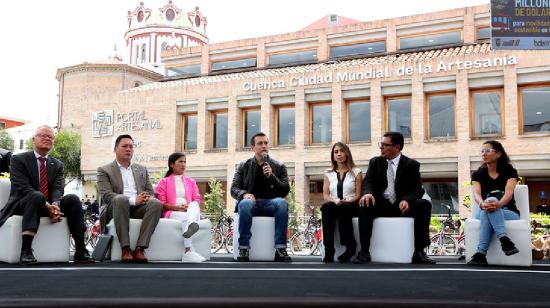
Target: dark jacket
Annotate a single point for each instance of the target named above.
(5, 157)
(243, 181)
(408, 185)
(24, 179)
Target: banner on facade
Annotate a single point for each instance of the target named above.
(520, 24)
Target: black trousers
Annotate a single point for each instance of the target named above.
(32, 207)
(420, 210)
(342, 212)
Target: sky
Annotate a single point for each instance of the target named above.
(39, 37)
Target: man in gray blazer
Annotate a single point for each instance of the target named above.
(126, 189)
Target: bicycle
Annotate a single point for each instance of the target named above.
(222, 234)
(444, 243)
(91, 235)
(308, 241)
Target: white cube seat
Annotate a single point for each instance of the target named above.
(51, 243)
(166, 242)
(518, 231)
(262, 242)
(392, 239)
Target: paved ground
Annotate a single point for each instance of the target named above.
(305, 282)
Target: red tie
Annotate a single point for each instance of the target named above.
(43, 178)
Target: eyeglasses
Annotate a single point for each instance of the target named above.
(385, 145)
(44, 136)
(487, 151)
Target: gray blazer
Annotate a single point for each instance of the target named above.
(109, 184)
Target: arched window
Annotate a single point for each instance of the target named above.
(170, 14)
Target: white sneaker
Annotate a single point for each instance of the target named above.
(192, 257)
(192, 228)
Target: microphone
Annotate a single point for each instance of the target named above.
(265, 158)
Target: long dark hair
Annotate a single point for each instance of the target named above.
(349, 159)
(504, 160)
(171, 160)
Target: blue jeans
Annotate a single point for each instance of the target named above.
(277, 208)
(492, 222)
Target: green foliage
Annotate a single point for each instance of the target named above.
(155, 177)
(293, 222)
(537, 221)
(28, 144)
(6, 141)
(5, 175)
(466, 201)
(214, 199)
(67, 149)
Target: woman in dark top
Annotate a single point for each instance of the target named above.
(341, 192)
(493, 185)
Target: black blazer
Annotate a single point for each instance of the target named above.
(24, 179)
(408, 185)
(243, 181)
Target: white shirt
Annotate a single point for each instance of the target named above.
(180, 190)
(130, 189)
(348, 187)
(394, 167)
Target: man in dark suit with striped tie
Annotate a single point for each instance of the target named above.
(37, 191)
(393, 188)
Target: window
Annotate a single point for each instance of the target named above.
(219, 129)
(483, 33)
(357, 49)
(398, 115)
(143, 53)
(293, 58)
(189, 124)
(441, 115)
(234, 64)
(535, 109)
(21, 144)
(185, 71)
(441, 39)
(358, 115)
(252, 124)
(487, 112)
(285, 125)
(320, 119)
(442, 192)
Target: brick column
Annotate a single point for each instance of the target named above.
(338, 116)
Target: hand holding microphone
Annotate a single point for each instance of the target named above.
(266, 168)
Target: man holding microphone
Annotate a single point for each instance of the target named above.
(260, 185)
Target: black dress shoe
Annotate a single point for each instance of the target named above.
(27, 257)
(83, 257)
(347, 255)
(362, 258)
(281, 255)
(478, 259)
(329, 255)
(243, 255)
(420, 257)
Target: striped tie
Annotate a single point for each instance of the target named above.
(43, 178)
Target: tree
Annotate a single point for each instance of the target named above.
(67, 149)
(6, 141)
(293, 222)
(214, 199)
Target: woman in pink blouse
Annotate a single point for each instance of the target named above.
(180, 199)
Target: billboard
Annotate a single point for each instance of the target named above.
(520, 24)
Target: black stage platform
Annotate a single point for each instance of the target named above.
(305, 282)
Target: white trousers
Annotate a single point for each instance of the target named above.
(193, 214)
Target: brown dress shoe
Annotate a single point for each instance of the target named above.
(139, 255)
(127, 256)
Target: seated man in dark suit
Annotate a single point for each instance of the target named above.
(393, 188)
(37, 191)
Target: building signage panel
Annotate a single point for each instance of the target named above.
(105, 122)
(520, 24)
(376, 73)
